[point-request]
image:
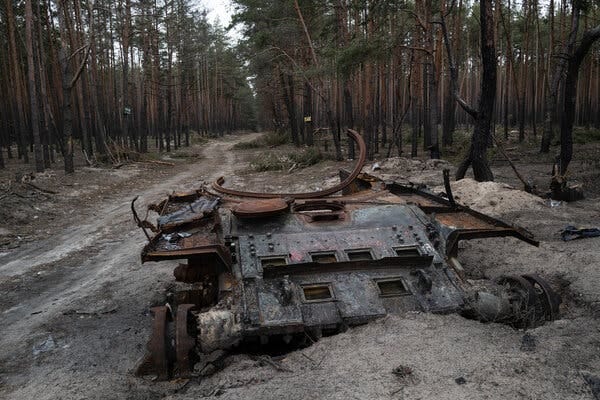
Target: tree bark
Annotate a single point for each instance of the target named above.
(16, 78)
(570, 96)
(33, 100)
(557, 76)
(477, 157)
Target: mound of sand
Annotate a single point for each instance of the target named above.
(492, 197)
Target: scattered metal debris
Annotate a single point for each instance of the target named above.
(286, 269)
(571, 233)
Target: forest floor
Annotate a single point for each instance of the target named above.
(74, 310)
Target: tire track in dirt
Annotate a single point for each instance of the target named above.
(217, 161)
(91, 269)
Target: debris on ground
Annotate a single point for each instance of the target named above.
(528, 342)
(45, 346)
(83, 262)
(460, 380)
(594, 382)
(402, 371)
(571, 233)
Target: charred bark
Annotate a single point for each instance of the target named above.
(551, 101)
(477, 157)
(570, 96)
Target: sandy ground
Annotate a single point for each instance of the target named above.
(74, 311)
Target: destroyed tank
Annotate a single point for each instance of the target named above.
(285, 269)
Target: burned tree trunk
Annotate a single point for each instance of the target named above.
(32, 83)
(552, 96)
(477, 157)
(287, 85)
(570, 96)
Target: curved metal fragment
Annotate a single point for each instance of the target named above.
(523, 299)
(184, 341)
(260, 208)
(156, 361)
(362, 148)
(549, 300)
(170, 348)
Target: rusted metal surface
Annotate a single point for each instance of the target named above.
(523, 299)
(193, 214)
(260, 208)
(171, 345)
(362, 149)
(549, 301)
(284, 265)
(184, 341)
(156, 361)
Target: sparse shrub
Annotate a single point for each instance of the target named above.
(583, 136)
(307, 157)
(271, 139)
(251, 144)
(274, 139)
(197, 138)
(269, 161)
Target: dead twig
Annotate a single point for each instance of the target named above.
(309, 358)
(269, 361)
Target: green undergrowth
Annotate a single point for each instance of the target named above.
(270, 161)
(583, 135)
(271, 139)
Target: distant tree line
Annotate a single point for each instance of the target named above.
(380, 65)
(105, 75)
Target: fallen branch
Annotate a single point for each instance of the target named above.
(40, 189)
(269, 361)
(527, 186)
(89, 162)
(156, 162)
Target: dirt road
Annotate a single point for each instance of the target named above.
(74, 314)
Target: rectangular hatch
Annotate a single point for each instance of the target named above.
(390, 287)
(317, 292)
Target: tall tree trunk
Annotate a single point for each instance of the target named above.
(66, 139)
(68, 81)
(477, 157)
(570, 96)
(325, 98)
(287, 85)
(557, 76)
(308, 114)
(16, 78)
(33, 100)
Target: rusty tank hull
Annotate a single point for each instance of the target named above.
(290, 268)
